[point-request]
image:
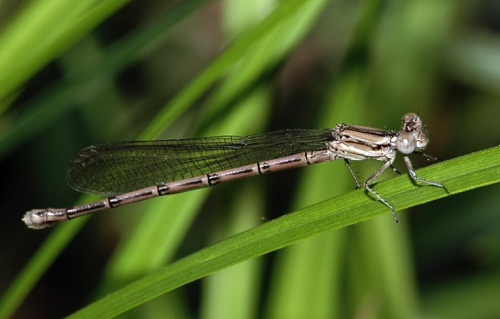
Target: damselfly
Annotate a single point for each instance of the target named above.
(139, 170)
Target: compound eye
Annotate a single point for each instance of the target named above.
(406, 142)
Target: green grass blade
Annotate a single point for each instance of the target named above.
(37, 266)
(459, 175)
(222, 64)
(40, 32)
(55, 101)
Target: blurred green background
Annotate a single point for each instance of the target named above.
(79, 73)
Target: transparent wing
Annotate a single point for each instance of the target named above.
(115, 168)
